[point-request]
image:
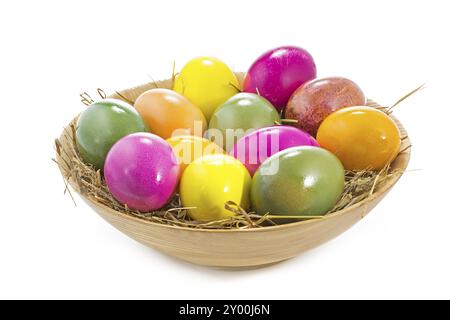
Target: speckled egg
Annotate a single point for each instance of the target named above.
(312, 102)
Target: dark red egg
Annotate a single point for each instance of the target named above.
(312, 102)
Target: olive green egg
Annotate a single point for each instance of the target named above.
(299, 181)
(239, 114)
(101, 125)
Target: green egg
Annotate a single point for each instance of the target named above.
(242, 112)
(299, 181)
(101, 125)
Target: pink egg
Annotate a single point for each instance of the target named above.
(257, 146)
(278, 73)
(141, 171)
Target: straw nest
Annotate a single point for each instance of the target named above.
(359, 185)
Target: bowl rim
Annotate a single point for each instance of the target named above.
(406, 155)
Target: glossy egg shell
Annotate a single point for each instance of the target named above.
(363, 138)
(142, 171)
(168, 113)
(277, 73)
(101, 125)
(207, 82)
(257, 146)
(240, 113)
(189, 148)
(209, 182)
(311, 103)
(299, 181)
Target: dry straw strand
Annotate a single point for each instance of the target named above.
(124, 98)
(86, 99)
(390, 109)
(155, 84)
(101, 93)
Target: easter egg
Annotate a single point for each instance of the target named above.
(316, 99)
(101, 125)
(299, 181)
(207, 82)
(189, 148)
(363, 138)
(277, 73)
(142, 171)
(209, 182)
(257, 146)
(240, 113)
(169, 113)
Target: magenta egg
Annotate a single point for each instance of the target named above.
(257, 146)
(142, 171)
(278, 73)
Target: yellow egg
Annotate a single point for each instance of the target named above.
(188, 148)
(209, 182)
(207, 82)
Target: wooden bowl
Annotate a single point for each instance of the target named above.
(239, 248)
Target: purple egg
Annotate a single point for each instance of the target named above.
(141, 171)
(257, 146)
(278, 73)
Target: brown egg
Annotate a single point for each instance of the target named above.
(312, 102)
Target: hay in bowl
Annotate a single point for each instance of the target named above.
(246, 240)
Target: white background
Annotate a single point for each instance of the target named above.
(50, 51)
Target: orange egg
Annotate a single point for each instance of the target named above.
(362, 138)
(189, 148)
(168, 113)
